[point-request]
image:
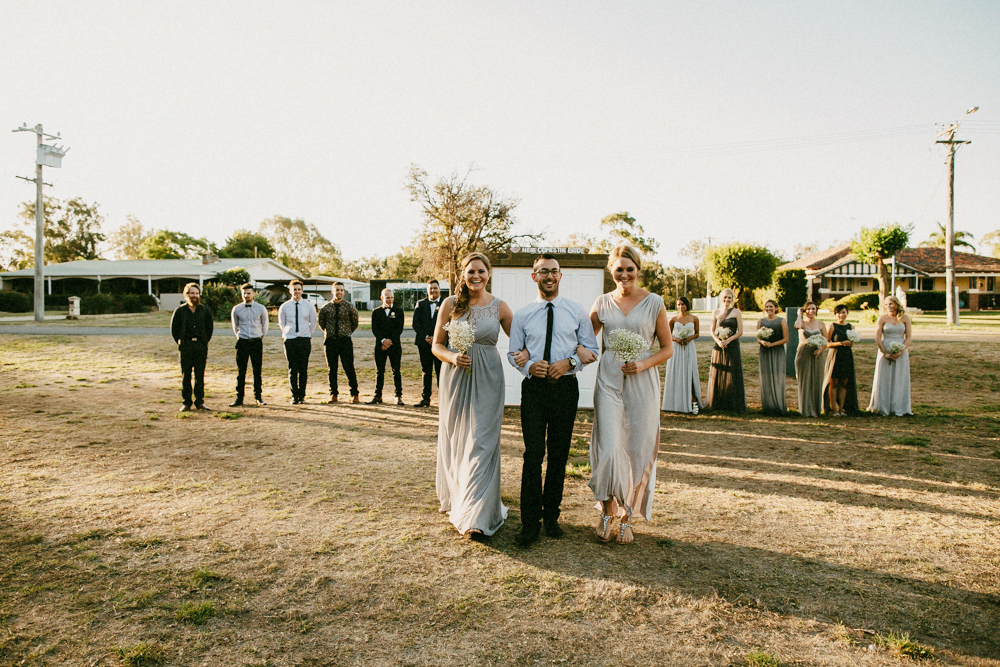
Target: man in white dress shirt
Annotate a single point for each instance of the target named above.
(250, 326)
(297, 319)
(550, 328)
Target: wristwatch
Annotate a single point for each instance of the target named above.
(572, 364)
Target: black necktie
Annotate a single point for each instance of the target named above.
(296, 317)
(336, 320)
(550, 316)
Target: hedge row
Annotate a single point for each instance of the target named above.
(90, 304)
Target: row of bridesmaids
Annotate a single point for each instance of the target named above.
(823, 385)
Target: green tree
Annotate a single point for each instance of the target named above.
(245, 244)
(655, 278)
(300, 246)
(72, 228)
(742, 266)
(939, 239)
(460, 218)
(992, 241)
(126, 241)
(366, 269)
(233, 277)
(587, 241)
(874, 245)
(622, 228)
(165, 244)
(17, 250)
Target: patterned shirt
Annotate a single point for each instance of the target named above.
(343, 313)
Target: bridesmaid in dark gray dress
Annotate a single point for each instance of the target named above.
(809, 363)
(471, 405)
(725, 376)
(772, 361)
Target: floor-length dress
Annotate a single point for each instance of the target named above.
(681, 384)
(891, 386)
(772, 371)
(809, 374)
(840, 364)
(625, 438)
(470, 415)
(725, 376)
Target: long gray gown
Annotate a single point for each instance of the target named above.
(772, 371)
(891, 386)
(626, 435)
(681, 384)
(470, 415)
(809, 373)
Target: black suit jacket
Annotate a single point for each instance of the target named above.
(384, 326)
(423, 323)
(179, 323)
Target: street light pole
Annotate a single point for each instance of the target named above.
(950, 298)
(51, 156)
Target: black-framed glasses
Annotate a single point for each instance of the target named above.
(545, 273)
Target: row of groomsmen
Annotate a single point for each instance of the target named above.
(192, 326)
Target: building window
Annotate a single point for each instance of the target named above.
(912, 283)
(927, 284)
(991, 284)
(823, 283)
(863, 283)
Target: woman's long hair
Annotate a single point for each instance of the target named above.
(463, 296)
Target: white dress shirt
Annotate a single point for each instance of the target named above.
(571, 326)
(249, 321)
(306, 320)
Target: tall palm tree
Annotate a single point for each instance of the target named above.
(938, 239)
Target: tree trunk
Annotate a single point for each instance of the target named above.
(884, 288)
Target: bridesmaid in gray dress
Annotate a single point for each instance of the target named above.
(471, 406)
(625, 438)
(726, 390)
(809, 363)
(772, 360)
(891, 386)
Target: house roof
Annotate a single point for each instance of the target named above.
(820, 260)
(151, 268)
(931, 260)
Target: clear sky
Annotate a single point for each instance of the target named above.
(774, 122)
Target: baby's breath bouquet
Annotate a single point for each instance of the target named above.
(683, 331)
(461, 336)
(765, 333)
(723, 333)
(853, 336)
(628, 345)
(816, 340)
(895, 347)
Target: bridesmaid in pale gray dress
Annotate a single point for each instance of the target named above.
(809, 363)
(891, 386)
(681, 384)
(625, 438)
(471, 405)
(772, 360)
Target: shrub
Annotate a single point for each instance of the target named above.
(790, 288)
(925, 300)
(854, 301)
(96, 304)
(16, 302)
(220, 299)
(828, 305)
(136, 303)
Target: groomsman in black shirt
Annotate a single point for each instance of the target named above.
(424, 320)
(191, 327)
(387, 327)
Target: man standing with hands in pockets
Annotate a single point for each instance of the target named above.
(550, 329)
(297, 319)
(250, 326)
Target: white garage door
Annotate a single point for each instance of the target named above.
(515, 286)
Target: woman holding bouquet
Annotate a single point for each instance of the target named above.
(772, 334)
(840, 390)
(626, 435)
(891, 386)
(681, 384)
(471, 403)
(725, 376)
(808, 364)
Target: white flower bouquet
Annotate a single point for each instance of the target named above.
(723, 333)
(628, 345)
(765, 333)
(853, 336)
(461, 336)
(895, 347)
(817, 341)
(683, 331)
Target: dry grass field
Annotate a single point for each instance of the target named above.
(310, 535)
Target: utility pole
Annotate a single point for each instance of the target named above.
(950, 297)
(50, 156)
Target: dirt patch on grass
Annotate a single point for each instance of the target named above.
(310, 535)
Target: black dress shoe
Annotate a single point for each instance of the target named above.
(399, 400)
(294, 401)
(529, 533)
(375, 401)
(237, 403)
(553, 529)
(423, 404)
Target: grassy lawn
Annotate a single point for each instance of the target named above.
(159, 318)
(308, 536)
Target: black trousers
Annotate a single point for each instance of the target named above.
(249, 350)
(194, 354)
(546, 409)
(395, 355)
(431, 367)
(297, 353)
(341, 349)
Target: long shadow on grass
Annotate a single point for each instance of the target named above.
(962, 620)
